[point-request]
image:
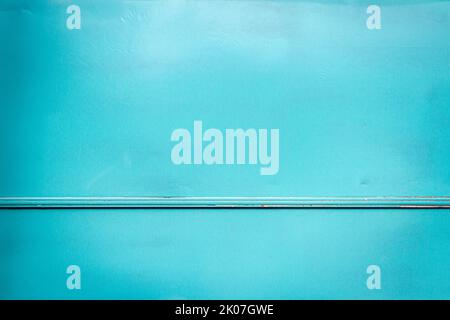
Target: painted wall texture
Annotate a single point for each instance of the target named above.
(192, 104)
(226, 254)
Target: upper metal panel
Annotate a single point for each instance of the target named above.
(90, 112)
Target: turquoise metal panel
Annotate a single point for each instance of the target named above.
(226, 253)
(90, 112)
(87, 117)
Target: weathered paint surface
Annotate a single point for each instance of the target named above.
(86, 118)
(229, 254)
(90, 112)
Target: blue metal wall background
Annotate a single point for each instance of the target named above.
(89, 113)
(225, 254)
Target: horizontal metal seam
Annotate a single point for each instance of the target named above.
(225, 202)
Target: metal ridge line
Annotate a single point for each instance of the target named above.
(227, 202)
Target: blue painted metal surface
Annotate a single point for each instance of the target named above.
(90, 112)
(86, 118)
(228, 254)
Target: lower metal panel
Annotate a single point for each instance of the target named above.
(257, 254)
